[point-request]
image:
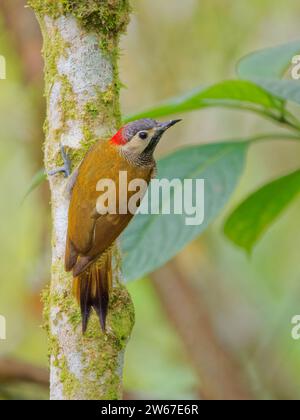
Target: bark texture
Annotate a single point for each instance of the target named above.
(80, 47)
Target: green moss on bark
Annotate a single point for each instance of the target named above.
(99, 353)
(102, 108)
(54, 47)
(108, 17)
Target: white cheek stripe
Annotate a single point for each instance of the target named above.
(136, 145)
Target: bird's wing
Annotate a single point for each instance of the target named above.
(89, 234)
(82, 211)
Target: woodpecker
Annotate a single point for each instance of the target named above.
(90, 235)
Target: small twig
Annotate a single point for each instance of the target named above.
(274, 136)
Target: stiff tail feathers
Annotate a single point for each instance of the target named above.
(92, 288)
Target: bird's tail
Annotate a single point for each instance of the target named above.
(92, 288)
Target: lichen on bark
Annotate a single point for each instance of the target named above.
(82, 92)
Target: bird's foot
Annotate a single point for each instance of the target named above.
(66, 168)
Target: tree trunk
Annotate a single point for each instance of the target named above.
(82, 92)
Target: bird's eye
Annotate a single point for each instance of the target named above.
(143, 135)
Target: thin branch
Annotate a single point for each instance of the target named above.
(274, 136)
(12, 370)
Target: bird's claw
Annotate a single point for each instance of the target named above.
(66, 168)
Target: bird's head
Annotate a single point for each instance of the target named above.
(140, 138)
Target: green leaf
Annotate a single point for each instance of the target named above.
(255, 215)
(37, 179)
(230, 93)
(151, 240)
(285, 89)
(266, 68)
(269, 63)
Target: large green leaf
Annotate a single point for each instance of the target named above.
(269, 63)
(151, 240)
(266, 68)
(254, 216)
(228, 93)
(285, 89)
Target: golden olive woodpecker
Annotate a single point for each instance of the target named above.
(91, 234)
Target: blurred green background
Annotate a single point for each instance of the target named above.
(219, 315)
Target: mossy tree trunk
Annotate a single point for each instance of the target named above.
(82, 92)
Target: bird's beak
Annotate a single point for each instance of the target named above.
(159, 131)
(164, 126)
